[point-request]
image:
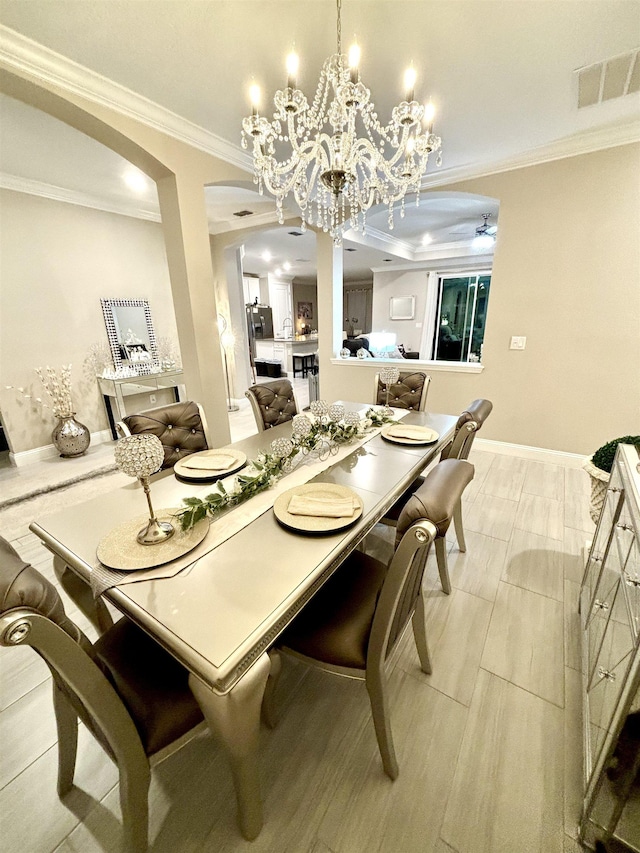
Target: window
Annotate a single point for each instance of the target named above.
(461, 317)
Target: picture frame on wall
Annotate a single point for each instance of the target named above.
(305, 310)
(402, 307)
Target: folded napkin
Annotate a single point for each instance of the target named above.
(322, 507)
(214, 462)
(417, 433)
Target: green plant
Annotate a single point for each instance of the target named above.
(266, 470)
(603, 457)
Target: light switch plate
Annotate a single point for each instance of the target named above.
(518, 342)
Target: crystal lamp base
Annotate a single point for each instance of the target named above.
(155, 532)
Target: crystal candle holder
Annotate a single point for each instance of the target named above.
(389, 376)
(141, 456)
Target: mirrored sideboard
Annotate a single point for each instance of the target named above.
(114, 392)
(610, 622)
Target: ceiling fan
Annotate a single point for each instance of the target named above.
(485, 229)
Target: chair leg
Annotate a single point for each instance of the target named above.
(382, 723)
(441, 558)
(418, 624)
(67, 727)
(269, 714)
(80, 593)
(457, 521)
(135, 778)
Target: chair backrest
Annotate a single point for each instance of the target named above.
(421, 521)
(181, 428)
(32, 614)
(409, 392)
(469, 423)
(355, 344)
(273, 403)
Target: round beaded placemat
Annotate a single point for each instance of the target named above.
(120, 550)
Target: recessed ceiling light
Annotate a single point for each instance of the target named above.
(387, 260)
(278, 271)
(135, 180)
(295, 233)
(243, 213)
(286, 265)
(427, 239)
(266, 255)
(349, 249)
(302, 260)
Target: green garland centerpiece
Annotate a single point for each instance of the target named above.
(317, 437)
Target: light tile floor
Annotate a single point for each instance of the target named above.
(489, 744)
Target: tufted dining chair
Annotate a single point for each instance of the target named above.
(181, 427)
(273, 403)
(409, 392)
(352, 626)
(468, 425)
(131, 694)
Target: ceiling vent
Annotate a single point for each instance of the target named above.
(610, 79)
(241, 213)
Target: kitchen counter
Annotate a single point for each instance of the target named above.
(282, 349)
(298, 339)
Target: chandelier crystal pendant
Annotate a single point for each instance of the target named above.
(334, 156)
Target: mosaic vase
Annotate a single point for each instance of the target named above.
(70, 437)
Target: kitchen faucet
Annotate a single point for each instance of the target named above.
(287, 322)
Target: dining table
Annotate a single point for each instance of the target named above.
(223, 607)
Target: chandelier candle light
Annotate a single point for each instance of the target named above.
(337, 154)
(141, 456)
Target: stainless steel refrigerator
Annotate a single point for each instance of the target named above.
(259, 324)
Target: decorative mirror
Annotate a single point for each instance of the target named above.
(402, 307)
(132, 338)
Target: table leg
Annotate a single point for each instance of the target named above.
(235, 719)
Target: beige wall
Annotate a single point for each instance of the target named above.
(401, 283)
(58, 260)
(567, 275)
(305, 293)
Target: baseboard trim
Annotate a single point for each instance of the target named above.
(47, 451)
(539, 454)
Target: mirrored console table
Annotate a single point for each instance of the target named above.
(115, 390)
(610, 622)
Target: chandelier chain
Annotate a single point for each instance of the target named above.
(339, 27)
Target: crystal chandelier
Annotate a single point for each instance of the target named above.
(336, 155)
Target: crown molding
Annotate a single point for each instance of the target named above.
(21, 54)
(380, 240)
(54, 193)
(570, 146)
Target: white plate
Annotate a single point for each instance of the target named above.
(205, 475)
(430, 436)
(312, 523)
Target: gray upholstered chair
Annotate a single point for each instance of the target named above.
(353, 625)
(131, 694)
(181, 427)
(468, 425)
(273, 403)
(409, 392)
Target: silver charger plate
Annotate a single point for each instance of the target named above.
(431, 436)
(203, 475)
(120, 549)
(312, 523)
